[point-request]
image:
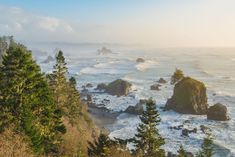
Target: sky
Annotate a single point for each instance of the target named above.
(159, 23)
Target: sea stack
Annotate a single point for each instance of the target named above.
(189, 97)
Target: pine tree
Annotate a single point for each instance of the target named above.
(148, 140)
(207, 149)
(26, 101)
(182, 152)
(65, 94)
(58, 81)
(74, 104)
(100, 147)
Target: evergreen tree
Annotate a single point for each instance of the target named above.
(73, 110)
(177, 76)
(148, 140)
(100, 147)
(65, 94)
(26, 101)
(207, 149)
(182, 152)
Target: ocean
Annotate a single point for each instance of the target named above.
(213, 66)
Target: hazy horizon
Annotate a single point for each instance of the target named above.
(155, 23)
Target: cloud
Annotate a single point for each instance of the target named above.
(29, 26)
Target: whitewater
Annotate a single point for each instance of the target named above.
(214, 67)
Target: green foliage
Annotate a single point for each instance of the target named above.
(181, 152)
(177, 76)
(148, 140)
(26, 101)
(207, 149)
(66, 96)
(100, 147)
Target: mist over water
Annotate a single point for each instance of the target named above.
(213, 66)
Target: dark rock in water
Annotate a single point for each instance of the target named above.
(189, 97)
(101, 86)
(177, 127)
(137, 109)
(204, 128)
(218, 112)
(89, 85)
(162, 80)
(186, 132)
(48, 60)
(170, 154)
(104, 51)
(118, 87)
(140, 60)
(155, 87)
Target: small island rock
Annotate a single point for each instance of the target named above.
(118, 87)
(218, 112)
(137, 109)
(162, 80)
(140, 60)
(155, 87)
(189, 97)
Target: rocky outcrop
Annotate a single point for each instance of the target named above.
(155, 87)
(101, 86)
(217, 112)
(104, 51)
(186, 132)
(137, 109)
(189, 97)
(89, 85)
(140, 60)
(162, 80)
(118, 87)
(177, 76)
(48, 59)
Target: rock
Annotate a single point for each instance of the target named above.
(189, 97)
(162, 80)
(218, 112)
(89, 85)
(155, 87)
(137, 109)
(204, 129)
(140, 60)
(48, 60)
(177, 127)
(177, 76)
(101, 86)
(104, 51)
(186, 132)
(170, 154)
(118, 87)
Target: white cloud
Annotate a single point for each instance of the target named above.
(29, 26)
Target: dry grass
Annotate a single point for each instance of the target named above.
(14, 145)
(75, 139)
